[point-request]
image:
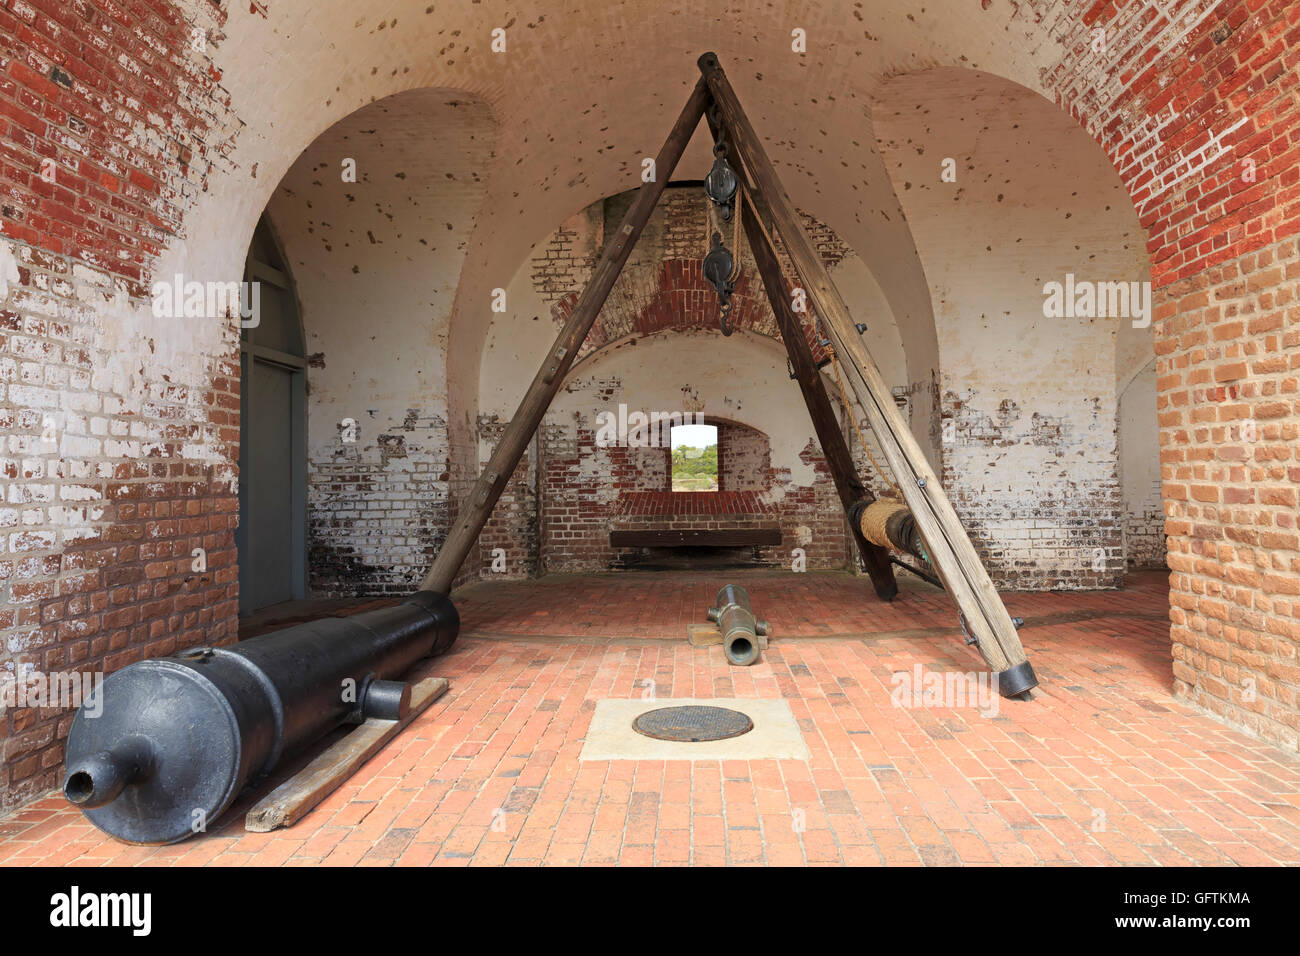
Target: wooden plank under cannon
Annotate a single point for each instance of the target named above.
(296, 797)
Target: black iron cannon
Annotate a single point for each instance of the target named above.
(178, 738)
(740, 629)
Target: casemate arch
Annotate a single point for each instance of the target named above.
(374, 218)
(1008, 198)
(656, 349)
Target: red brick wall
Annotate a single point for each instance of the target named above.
(576, 501)
(588, 491)
(99, 521)
(744, 458)
(1228, 414)
(76, 81)
(511, 532)
(1190, 117)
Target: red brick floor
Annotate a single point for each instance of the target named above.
(1104, 767)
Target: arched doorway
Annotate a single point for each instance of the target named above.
(271, 537)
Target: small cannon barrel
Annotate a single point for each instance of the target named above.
(176, 739)
(740, 629)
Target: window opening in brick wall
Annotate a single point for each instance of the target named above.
(694, 456)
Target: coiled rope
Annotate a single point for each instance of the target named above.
(875, 520)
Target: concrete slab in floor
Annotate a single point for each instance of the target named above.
(775, 735)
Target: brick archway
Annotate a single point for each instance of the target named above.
(681, 300)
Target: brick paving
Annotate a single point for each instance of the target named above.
(1104, 767)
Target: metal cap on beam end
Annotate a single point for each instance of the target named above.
(708, 62)
(1015, 681)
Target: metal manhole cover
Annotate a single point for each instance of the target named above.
(692, 722)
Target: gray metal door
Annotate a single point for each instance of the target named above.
(271, 536)
(267, 492)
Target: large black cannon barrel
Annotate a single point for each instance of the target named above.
(178, 738)
(740, 629)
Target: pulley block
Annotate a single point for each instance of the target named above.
(721, 183)
(719, 267)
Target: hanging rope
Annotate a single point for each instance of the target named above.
(711, 226)
(762, 227)
(735, 234)
(862, 439)
(708, 222)
(725, 285)
(839, 382)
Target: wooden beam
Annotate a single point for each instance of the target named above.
(695, 538)
(476, 509)
(296, 797)
(838, 458)
(952, 553)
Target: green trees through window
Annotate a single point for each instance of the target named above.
(695, 458)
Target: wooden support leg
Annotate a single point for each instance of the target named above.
(951, 551)
(838, 459)
(482, 499)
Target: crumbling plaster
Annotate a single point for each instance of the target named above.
(1030, 443)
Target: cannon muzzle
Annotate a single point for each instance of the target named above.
(740, 629)
(97, 779)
